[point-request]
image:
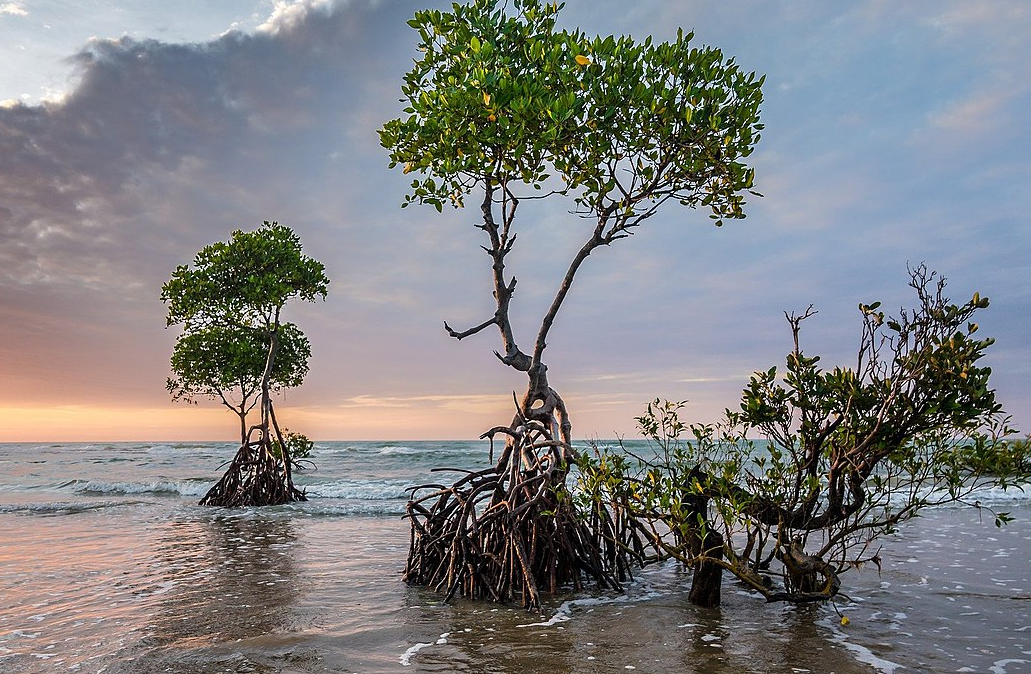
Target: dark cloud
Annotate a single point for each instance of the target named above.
(889, 139)
(163, 148)
(80, 176)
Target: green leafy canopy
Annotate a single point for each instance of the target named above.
(244, 281)
(229, 302)
(504, 97)
(842, 456)
(215, 360)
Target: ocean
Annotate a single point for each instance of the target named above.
(108, 565)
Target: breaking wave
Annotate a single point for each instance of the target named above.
(61, 507)
(370, 490)
(159, 487)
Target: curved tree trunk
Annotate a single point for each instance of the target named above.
(257, 476)
(513, 530)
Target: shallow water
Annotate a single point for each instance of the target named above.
(106, 565)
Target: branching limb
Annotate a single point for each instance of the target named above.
(471, 331)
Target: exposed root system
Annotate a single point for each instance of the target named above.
(512, 531)
(257, 475)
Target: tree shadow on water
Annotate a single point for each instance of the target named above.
(222, 594)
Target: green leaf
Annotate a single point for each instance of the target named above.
(229, 304)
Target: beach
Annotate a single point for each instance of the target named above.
(108, 565)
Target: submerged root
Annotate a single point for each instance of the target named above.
(511, 531)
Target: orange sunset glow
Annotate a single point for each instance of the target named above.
(129, 140)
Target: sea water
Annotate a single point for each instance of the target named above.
(108, 565)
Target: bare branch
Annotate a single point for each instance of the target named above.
(470, 331)
(563, 290)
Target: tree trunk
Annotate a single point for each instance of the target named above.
(706, 545)
(708, 575)
(243, 427)
(512, 531)
(266, 377)
(256, 476)
(543, 404)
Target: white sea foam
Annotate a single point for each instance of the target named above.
(406, 659)
(861, 653)
(162, 448)
(372, 490)
(561, 615)
(985, 496)
(565, 612)
(180, 487)
(330, 450)
(390, 450)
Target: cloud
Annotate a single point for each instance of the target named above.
(660, 376)
(983, 113)
(161, 148)
(13, 9)
(288, 16)
(959, 18)
(151, 124)
(464, 402)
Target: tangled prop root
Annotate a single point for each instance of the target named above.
(513, 529)
(256, 476)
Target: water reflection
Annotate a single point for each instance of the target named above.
(652, 628)
(219, 581)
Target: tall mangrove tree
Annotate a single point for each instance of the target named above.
(502, 106)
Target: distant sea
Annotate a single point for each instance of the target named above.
(108, 565)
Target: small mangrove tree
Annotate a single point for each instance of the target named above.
(799, 484)
(236, 348)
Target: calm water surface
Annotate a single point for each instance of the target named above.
(107, 565)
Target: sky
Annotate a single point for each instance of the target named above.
(132, 134)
